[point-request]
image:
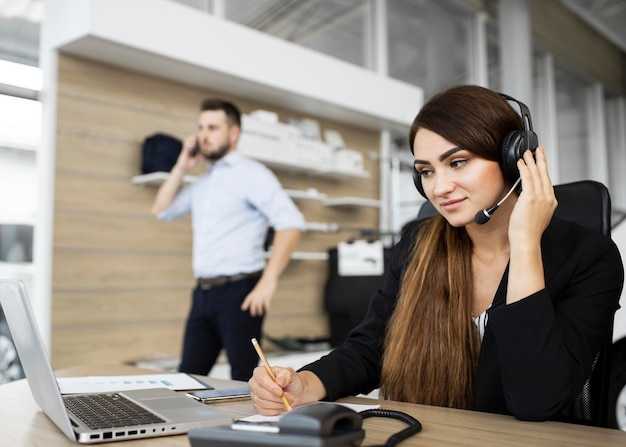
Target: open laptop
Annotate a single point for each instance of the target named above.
(170, 413)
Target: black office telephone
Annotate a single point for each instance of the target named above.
(322, 424)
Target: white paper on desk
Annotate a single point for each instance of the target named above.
(259, 418)
(106, 384)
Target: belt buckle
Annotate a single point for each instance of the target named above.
(209, 283)
(204, 284)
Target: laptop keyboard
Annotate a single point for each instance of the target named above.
(108, 411)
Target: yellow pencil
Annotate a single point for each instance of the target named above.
(259, 351)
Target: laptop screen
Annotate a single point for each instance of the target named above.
(33, 355)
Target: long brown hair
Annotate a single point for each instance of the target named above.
(431, 345)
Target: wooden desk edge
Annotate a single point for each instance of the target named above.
(23, 424)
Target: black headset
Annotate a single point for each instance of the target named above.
(513, 146)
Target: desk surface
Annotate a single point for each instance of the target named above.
(22, 423)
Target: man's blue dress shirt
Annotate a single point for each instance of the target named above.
(232, 205)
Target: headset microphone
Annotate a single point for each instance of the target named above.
(483, 216)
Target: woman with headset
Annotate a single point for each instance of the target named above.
(501, 311)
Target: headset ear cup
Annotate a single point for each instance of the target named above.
(417, 181)
(515, 142)
(511, 150)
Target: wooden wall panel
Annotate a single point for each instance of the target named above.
(115, 343)
(82, 308)
(121, 279)
(91, 268)
(121, 232)
(101, 195)
(104, 83)
(110, 121)
(88, 155)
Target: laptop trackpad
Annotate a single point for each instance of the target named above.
(181, 408)
(161, 399)
(169, 403)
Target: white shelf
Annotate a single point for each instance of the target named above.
(306, 255)
(322, 227)
(309, 256)
(309, 194)
(313, 169)
(352, 201)
(156, 178)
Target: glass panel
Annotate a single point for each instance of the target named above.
(494, 66)
(572, 125)
(16, 243)
(20, 75)
(18, 181)
(615, 113)
(429, 44)
(19, 31)
(333, 27)
(20, 122)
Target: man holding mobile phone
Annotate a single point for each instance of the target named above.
(232, 205)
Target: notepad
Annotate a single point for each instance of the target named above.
(105, 384)
(260, 418)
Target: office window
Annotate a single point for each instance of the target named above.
(18, 183)
(429, 44)
(334, 27)
(20, 122)
(19, 30)
(494, 66)
(572, 125)
(16, 243)
(615, 114)
(20, 132)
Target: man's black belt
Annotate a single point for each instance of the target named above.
(207, 283)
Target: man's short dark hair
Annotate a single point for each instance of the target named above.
(233, 115)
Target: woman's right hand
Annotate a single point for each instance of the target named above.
(298, 388)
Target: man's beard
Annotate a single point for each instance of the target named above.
(219, 153)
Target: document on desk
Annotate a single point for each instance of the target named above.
(106, 384)
(260, 418)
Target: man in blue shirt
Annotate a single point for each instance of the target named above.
(232, 205)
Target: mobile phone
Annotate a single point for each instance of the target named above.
(194, 150)
(223, 394)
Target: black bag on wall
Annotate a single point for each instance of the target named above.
(159, 153)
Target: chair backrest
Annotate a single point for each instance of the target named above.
(587, 203)
(426, 210)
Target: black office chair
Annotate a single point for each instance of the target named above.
(346, 297)
(587, 203)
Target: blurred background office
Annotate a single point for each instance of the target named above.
(83, 82)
